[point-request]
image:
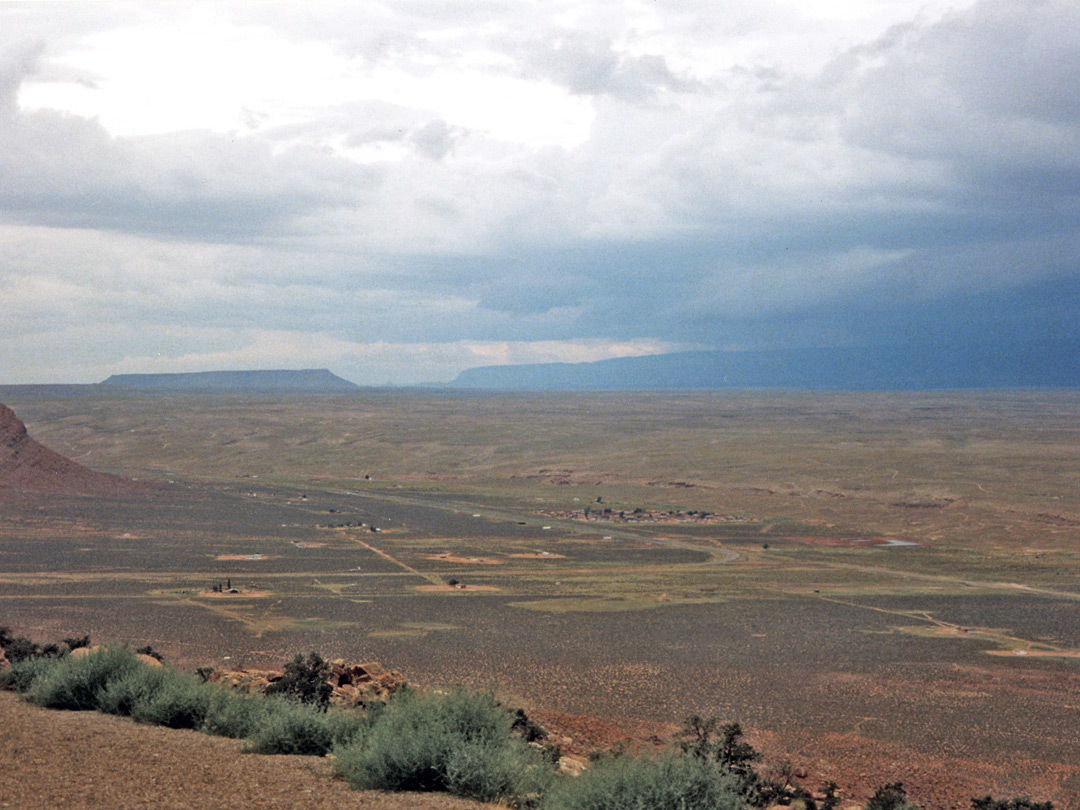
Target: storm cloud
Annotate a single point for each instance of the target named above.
(402, 191)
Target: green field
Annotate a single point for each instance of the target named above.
(896, 575)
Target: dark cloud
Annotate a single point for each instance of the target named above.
(917, 145)
(990, 91)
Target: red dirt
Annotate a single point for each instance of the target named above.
(27, 466)
(858, 764)
(580, 735)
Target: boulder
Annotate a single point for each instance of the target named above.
(352, 684)
(246, 680)
(373, 669)
(83, 652)
(342, 673)
(149, 661)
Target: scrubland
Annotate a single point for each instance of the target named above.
(950, 663)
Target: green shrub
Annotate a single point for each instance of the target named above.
(76, 683)
(21, 674)
(305, 681)
(778, 785)
(890, 797)
(233, 714)
(21, 649)
(513, 772)
(707, 738)
(176, 700)
(76, 642)
(830, 798)
(673, 781)
(460, 742)
(1018, 803)
(529, 729)
(160, 697)
(723, 743)
(288, 727)
(121, 695)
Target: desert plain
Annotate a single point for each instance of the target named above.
(878, 586)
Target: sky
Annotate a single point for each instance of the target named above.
(398, 191)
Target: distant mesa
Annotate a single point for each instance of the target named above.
(1050, 364)
(312, 380)
(29, 467)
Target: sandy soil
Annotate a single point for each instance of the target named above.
(89, 761)
(238, 595)
(463, 560)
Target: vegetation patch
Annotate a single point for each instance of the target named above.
(414, 629)
(459, 742)
(1006, 644)
(669, 782)
(462, 742)
(114, 680)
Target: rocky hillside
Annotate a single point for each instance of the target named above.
(27, 466)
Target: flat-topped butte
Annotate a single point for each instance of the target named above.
(306, 380)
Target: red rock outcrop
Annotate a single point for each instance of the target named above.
(27, 466)
(353, 684)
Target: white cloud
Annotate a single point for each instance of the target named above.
(204, 72)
